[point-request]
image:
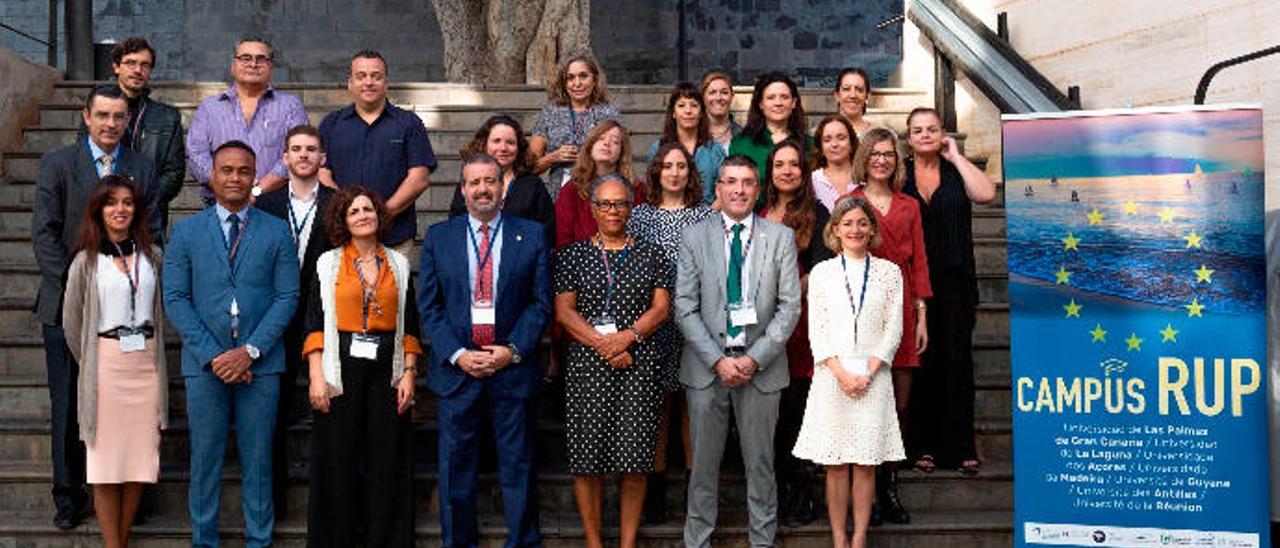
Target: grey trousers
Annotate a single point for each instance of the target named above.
(756, 414)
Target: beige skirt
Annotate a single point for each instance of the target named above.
(126, 446)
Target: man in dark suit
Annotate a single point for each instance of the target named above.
(230, 288)
(484, 310)
(67, 176)
(301, 203)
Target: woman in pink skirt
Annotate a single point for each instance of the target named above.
(112, 317)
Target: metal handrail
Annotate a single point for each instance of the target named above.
(1203, 88)
(24, 34)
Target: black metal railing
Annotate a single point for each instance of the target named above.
(1203, 88)
(51, 43)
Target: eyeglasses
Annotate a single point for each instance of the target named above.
(247, 59)
(611, 206)
(876, 155)
(131, 64)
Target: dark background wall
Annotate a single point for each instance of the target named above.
(636, 40)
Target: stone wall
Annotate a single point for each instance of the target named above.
(23, 84)
(636, 41)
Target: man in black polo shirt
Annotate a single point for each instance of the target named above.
(374, 144)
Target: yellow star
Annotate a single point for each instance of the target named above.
(1166, 215)
(1130, 208)
(1095, 217)
(1169, 333)
(1072, 309)
(1203, 274)
(1194, 308)
(1134, 342)
(1070, 242)
(1193, 240)
(1099, 334)
(1064, 276)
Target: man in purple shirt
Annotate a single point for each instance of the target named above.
(250, 111)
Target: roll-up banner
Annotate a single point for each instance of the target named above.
(1137, 292)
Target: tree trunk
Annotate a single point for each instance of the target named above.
(565, 28)
(509, 41)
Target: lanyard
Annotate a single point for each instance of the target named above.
(137, 124)
(481, 261)
(368, 293)
(134, 280)
(857, 310)
(234, 247)
(611, 282)
(298, 226)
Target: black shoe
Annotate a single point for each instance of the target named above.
(887, 496)
(876, 519)
(655, 499)
(67, 518)
(801, 507)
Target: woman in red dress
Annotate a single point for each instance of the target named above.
(879, 166)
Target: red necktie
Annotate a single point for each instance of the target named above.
(482, 334)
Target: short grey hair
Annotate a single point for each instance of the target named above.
(600, 181)
(478, 158)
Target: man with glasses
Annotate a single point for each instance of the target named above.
(251, 111)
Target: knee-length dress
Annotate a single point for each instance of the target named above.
(902, 243)
(663, 228)
(837, 428)
(611, 415)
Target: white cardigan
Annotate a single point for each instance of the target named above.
(327, 270)
(831, 317)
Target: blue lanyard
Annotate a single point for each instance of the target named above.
(298, 226)
(857, 310)
(481, 261)
(610, 281)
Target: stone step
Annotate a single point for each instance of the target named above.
(28, 440)
(25, 487)
(494, 97)
(969, 529)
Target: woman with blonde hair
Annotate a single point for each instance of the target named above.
(577, 100)
(608, 149)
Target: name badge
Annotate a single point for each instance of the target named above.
(857, 366)
(483, 315)
(235, 307)
(742, 315)
(364, 346)
(605, 325)
(135, 342)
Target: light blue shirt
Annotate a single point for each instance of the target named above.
(224, 216)
(97, 153)
(495, 257)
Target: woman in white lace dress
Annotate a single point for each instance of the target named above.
(855, 324)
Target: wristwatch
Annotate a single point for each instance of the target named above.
(636, 330)
(515, 353)
(256, 192)
(253, 351)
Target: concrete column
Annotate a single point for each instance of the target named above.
(79, 23)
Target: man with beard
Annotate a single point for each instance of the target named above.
(301, 204)
(484, 309)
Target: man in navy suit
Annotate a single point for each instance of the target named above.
(484, 310)
(230, 288)
(67, 177)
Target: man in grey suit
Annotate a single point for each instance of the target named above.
(67, 176)
(737, 301)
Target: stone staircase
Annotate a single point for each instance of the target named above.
(949, 510)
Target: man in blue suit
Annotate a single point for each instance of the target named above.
(484, 311)
(230, 288)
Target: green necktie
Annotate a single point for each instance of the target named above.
(735, 274)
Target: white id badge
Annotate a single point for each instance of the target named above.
(857, 366)
(482, 315)
(605, 325)
(742, 315)
(235, 307)
(564, 178)
(133, 343)
(364, 347)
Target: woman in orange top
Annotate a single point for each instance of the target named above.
(878, 165)
(363, 350)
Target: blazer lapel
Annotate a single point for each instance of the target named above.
(760, 246)
(86, 174)
(717, 263)
(512, 243)
(246, 237)
(217, 242)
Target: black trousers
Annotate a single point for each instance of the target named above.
(942, 391)
(291, 401)
(792, 472)
(361, 460)
(68, 451)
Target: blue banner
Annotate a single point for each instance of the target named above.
(1137, 290)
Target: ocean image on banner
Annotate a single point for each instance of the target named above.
(1137, 296)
